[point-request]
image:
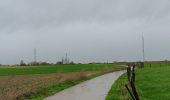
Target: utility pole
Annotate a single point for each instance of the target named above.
(35, 55)
(67, 60)
(143, 50)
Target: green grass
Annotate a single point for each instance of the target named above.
(153, 83)
(118, 91)
(55, 69)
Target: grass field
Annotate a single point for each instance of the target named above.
(153, 83)
(53, 69)
(37, 82)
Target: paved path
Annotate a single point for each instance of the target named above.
(94, 89)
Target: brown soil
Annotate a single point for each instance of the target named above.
(12, 87)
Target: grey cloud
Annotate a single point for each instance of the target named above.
(89, 30)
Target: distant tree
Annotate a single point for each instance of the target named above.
(59, 62)
(22, 63)
(72, 62)
(92, 63)
(34, 63)
(165, 60)
(43, 63)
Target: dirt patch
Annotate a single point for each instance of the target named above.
(7, 66)
(12, 87)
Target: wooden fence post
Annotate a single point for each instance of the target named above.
(131, 79)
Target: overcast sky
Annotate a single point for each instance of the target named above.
(89, 30)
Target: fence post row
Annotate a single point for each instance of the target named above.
(131, 83)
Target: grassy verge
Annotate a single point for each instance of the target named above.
(40, 95)
(153, 83)
(118, 91)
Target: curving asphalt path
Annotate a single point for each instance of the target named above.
(94, 89)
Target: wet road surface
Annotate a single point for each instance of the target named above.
(94, 89)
